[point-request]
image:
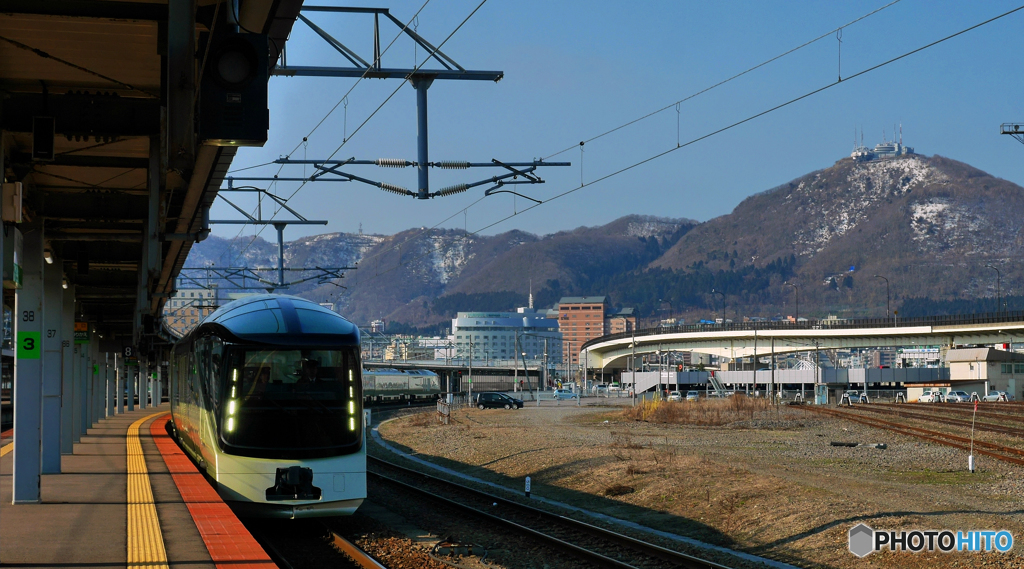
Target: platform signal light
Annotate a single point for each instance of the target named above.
(233, 103)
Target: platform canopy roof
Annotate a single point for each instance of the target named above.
(126, 152)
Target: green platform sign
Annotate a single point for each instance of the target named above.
(29, 346)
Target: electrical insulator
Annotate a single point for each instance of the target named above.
(456, 189)
(395, 189)
(392, 163)
(452, 164)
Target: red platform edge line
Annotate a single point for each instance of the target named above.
(7, 434)
(229, 543)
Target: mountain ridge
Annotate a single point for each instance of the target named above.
(930, 225)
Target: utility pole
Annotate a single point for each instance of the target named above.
(754, 383)
(470, 368)
(515, 352)
(545, 370)
(632, 388)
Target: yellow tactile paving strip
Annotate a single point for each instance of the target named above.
(6, 449)
(145, 541)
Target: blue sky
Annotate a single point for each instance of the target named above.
(574, 69)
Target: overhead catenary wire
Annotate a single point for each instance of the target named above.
(724, 81)
(379, 107)
(677, 104)
(344, 99)
(710, 134)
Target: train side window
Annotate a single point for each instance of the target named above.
(214, 377)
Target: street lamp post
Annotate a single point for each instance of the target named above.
(886, 297)
(999, 291)
(796, 294)
(713, 293)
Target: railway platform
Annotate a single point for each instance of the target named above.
(127, 497)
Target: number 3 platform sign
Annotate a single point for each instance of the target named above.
(29, 346)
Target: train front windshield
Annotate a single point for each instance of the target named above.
(292, 402)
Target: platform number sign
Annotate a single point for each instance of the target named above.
(29, 345)
(129, 352)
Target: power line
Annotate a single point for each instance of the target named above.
(318, 124)
(379, 107)
(715, 132)
(822, 36)
(723, 82)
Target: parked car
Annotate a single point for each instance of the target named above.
(614, 387)
(931, 396)
(857, 397)
(997, 396)
(675, 396)
(692, 395)
(495, 400)
(957, 397)
(564, 394)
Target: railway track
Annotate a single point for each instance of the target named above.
(961, 409)
(935, 418)
(296, 544)
(595, 546)
(999, 452)
(357, 555)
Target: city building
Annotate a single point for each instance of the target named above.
(498, 335)
(622, 321)
(583, 318)
(919, 357)
(978, 370)
(875, 358)
(407, 348)
(580, 318)
(187, 307)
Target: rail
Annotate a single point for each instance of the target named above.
(359, 556)
(594, 558)
(998, 452)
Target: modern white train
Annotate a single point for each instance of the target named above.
(387, 385)
(266, 396)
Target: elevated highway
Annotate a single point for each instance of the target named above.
(744, 340)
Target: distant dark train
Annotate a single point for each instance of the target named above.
(397, 385)
(267, 397)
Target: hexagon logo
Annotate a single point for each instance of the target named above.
(862, 539)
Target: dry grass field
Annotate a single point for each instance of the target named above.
(737, 472)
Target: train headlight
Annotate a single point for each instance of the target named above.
(231, 424)
(231, 407)
(351, 407)
(351, 424)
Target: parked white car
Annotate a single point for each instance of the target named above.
(675, 396)
(933, 396)
(997, 396)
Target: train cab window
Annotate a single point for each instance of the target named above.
(284, 402)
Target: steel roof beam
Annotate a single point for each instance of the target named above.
(82, 161)
(85, 115)
(87, 9)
